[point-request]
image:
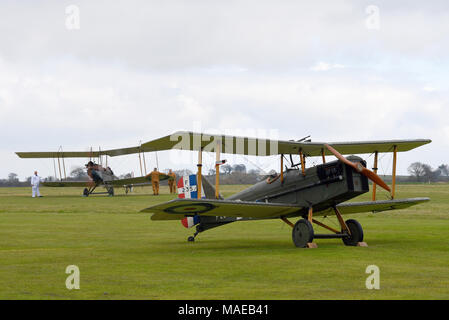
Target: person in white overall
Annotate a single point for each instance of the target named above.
(35, 181)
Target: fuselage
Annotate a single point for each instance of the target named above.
(100, 175)
(321, 186)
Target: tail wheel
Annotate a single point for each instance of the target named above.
(302, 233)
(356, 233)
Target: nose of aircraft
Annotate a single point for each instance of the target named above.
(359, 168)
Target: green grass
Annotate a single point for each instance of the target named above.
(122, 254)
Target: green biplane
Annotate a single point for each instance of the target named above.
(296, 192)
(98, 175)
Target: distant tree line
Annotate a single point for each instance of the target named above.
(238, 174)
(13, 181)
(421, 172)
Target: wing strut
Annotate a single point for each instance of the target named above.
(303, 165)
(61, 152)
(393, 182)
(63, 164)
(217, 169)
(393, 174)
(59, 167)
(144, 163)
(282, 168)
(376, 156)
(323, 156)
(54, 167)
(140, 163)
(200, 165)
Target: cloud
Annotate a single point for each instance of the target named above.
(87, 105)
(250, 34)
(430, 89)
(138, 70)
(323, 66)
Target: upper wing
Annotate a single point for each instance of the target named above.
(116, 183)
(80, 154)
(183, 140)
(179, 208)
(374, 206)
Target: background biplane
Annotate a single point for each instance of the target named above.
(297, 191)
(98, 174)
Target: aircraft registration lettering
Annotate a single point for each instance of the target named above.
(187, 187)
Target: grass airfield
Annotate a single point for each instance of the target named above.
(122, 254)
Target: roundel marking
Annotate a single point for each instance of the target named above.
(190, 208)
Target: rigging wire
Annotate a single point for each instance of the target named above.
(263, 171)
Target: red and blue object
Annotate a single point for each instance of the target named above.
(188, 187)
(189, 222)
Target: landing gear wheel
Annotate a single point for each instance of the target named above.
(356, 233)
(85, 192)
(302, 233)
(192, 238)
(111, 191)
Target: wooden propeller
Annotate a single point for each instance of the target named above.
(360, 168)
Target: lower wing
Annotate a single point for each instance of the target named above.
(179, 208)
(115, 183)
(376, 206)
(66, 183)
(136, 180)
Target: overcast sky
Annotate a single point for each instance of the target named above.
(111, 74)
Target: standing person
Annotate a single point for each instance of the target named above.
(155, 181)
(172, 181)
(35, 181)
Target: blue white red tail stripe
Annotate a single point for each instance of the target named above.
(189, 222)
(187, 187)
